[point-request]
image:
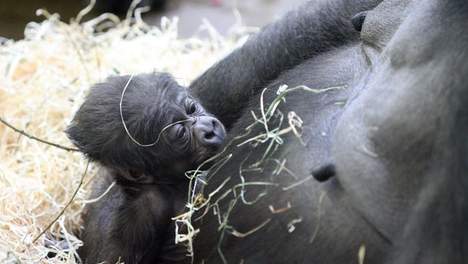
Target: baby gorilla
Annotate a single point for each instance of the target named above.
(145, 131)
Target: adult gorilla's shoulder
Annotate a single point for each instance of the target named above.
(398, 145)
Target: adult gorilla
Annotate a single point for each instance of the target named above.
(389, 153)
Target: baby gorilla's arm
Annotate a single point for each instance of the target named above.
(143, 231)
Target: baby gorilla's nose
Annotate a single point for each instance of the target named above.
(209, 131)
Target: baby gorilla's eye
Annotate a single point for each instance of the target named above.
(191, 107)
(180, 131)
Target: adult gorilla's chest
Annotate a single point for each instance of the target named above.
(396, 135)
(291, 214)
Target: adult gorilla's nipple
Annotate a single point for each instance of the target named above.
(324, 172)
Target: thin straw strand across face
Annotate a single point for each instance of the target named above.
(125, 125)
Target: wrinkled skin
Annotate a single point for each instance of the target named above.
(396, 136)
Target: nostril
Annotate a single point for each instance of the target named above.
(323, 173)
(209, 131)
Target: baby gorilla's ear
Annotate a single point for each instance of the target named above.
(116, 155)
(96, 126)
(79, 135)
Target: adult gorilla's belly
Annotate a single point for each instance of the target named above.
(396, 135)
(299, 220)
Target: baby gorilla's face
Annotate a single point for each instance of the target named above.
(192, 127)
(189, 135)
(177, 131)
(145, 125)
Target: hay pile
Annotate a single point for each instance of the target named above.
(43, 80)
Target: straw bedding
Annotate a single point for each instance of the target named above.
(43, 79)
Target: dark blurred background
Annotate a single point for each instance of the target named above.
(14, 14)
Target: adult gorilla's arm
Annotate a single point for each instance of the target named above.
(312, 28)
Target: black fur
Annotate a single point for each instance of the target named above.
(133, 222)
(314, 28)
(394, 140)
(397, 187)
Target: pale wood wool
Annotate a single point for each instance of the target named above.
(43, 80)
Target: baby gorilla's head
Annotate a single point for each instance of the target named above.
(156, 129)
